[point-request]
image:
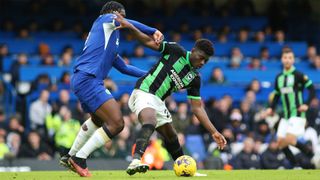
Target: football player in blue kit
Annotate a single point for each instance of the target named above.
(99, 55)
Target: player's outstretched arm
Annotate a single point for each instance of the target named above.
(127, 69)
(201, 114)
(157, 35)
(143, 38)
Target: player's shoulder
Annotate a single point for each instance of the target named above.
(174, 45)
(298, 73)
(107, 17)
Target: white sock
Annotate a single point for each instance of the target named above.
(98, 139)
(86, 130)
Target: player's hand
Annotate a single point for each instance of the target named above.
(219, 139)
(303, 108)
(122, 21)
(158, 37)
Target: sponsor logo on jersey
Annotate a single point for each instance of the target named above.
(286, 90)
(190, 76)
(176, 79)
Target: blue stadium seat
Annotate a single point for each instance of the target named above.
(30, 73)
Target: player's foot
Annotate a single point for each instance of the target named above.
(80, 166)
(136, 166)
(64, 161)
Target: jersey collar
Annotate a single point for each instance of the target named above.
(188, 59)
(289, 71)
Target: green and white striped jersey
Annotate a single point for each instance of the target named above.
(172, 73)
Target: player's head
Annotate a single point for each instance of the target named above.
(201, 52)
(113, 6)
(287, 58)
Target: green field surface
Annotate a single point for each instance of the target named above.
(168, 175)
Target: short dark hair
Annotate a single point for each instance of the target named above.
(205, 45)
(286, 50)
(111, 6)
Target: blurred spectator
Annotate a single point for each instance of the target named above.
(237, 127)
(68, 49)
(273, 158)
(64, 99)
(262, 132)
(14, 143)
(197, 34)
(123, 102)
(311, 53)
(279, 36)
(4, 149)
(123, 148)
(216, 116)
(171, 104)
(42, 82)
(181, 119)
(15, 126)
(65, 59)
(2, 95)
(67, 132)
(313, 114)
(138, 51)
(78, 113)
(222, 37)
(110, 85)
(65, 81)
(194, 141)
(255, 64)
(236, 58)
(39, 109)
(57, 25)
(24, 34)
(3, 123)
(217, 76)
(247, 115)
(22, 60)
(44, 50)
(247, 158)
(52, 122)
(33, 26)
(250, 97)
(254, 86)
(259, 37)
(35, 148)
(264, 54)
(316, 63)
(4, 51)
(243, 35)
(48, 60)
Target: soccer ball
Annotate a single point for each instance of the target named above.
(185, 166)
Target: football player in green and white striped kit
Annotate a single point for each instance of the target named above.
(289, 86)
(177, 69)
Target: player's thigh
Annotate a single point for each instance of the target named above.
(296, 126)
(168, 132)
(109, 112)
(145, 106)
(282, 128)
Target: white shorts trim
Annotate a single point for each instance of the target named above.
(293, 125)
(140, 100)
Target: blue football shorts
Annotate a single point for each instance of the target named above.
(89, 90)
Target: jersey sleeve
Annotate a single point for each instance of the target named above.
(194, 90)
(170, 47)
(304, 80)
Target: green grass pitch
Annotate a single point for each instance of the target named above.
(168, 175)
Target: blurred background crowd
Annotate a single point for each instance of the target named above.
(41, 39)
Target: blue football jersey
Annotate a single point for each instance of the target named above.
(100, 48)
